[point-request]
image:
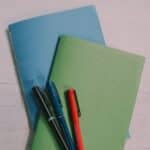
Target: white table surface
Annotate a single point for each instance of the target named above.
(125, 24)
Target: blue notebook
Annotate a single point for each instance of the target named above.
(34, 41)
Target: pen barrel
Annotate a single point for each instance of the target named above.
(77, 132)
(59, 134)
(75, 120)
(66, 133)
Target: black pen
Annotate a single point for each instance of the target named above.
(41, 95)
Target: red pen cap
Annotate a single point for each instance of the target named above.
(71, 94)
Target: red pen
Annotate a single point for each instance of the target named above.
(74, 116)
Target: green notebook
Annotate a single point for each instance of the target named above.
(106, 81)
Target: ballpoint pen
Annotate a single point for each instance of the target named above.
(51, 118)
(74, 117)
(56, 102)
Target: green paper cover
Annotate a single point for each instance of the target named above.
(106, 81)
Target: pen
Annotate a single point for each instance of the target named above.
(49, 113)
(58, 109)
(74, 117)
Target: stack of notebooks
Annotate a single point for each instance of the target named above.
(68, 48)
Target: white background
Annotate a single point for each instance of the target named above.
(125, 24)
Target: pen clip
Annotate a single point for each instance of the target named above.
(41, 97)
(77, 102)
(47, 102)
